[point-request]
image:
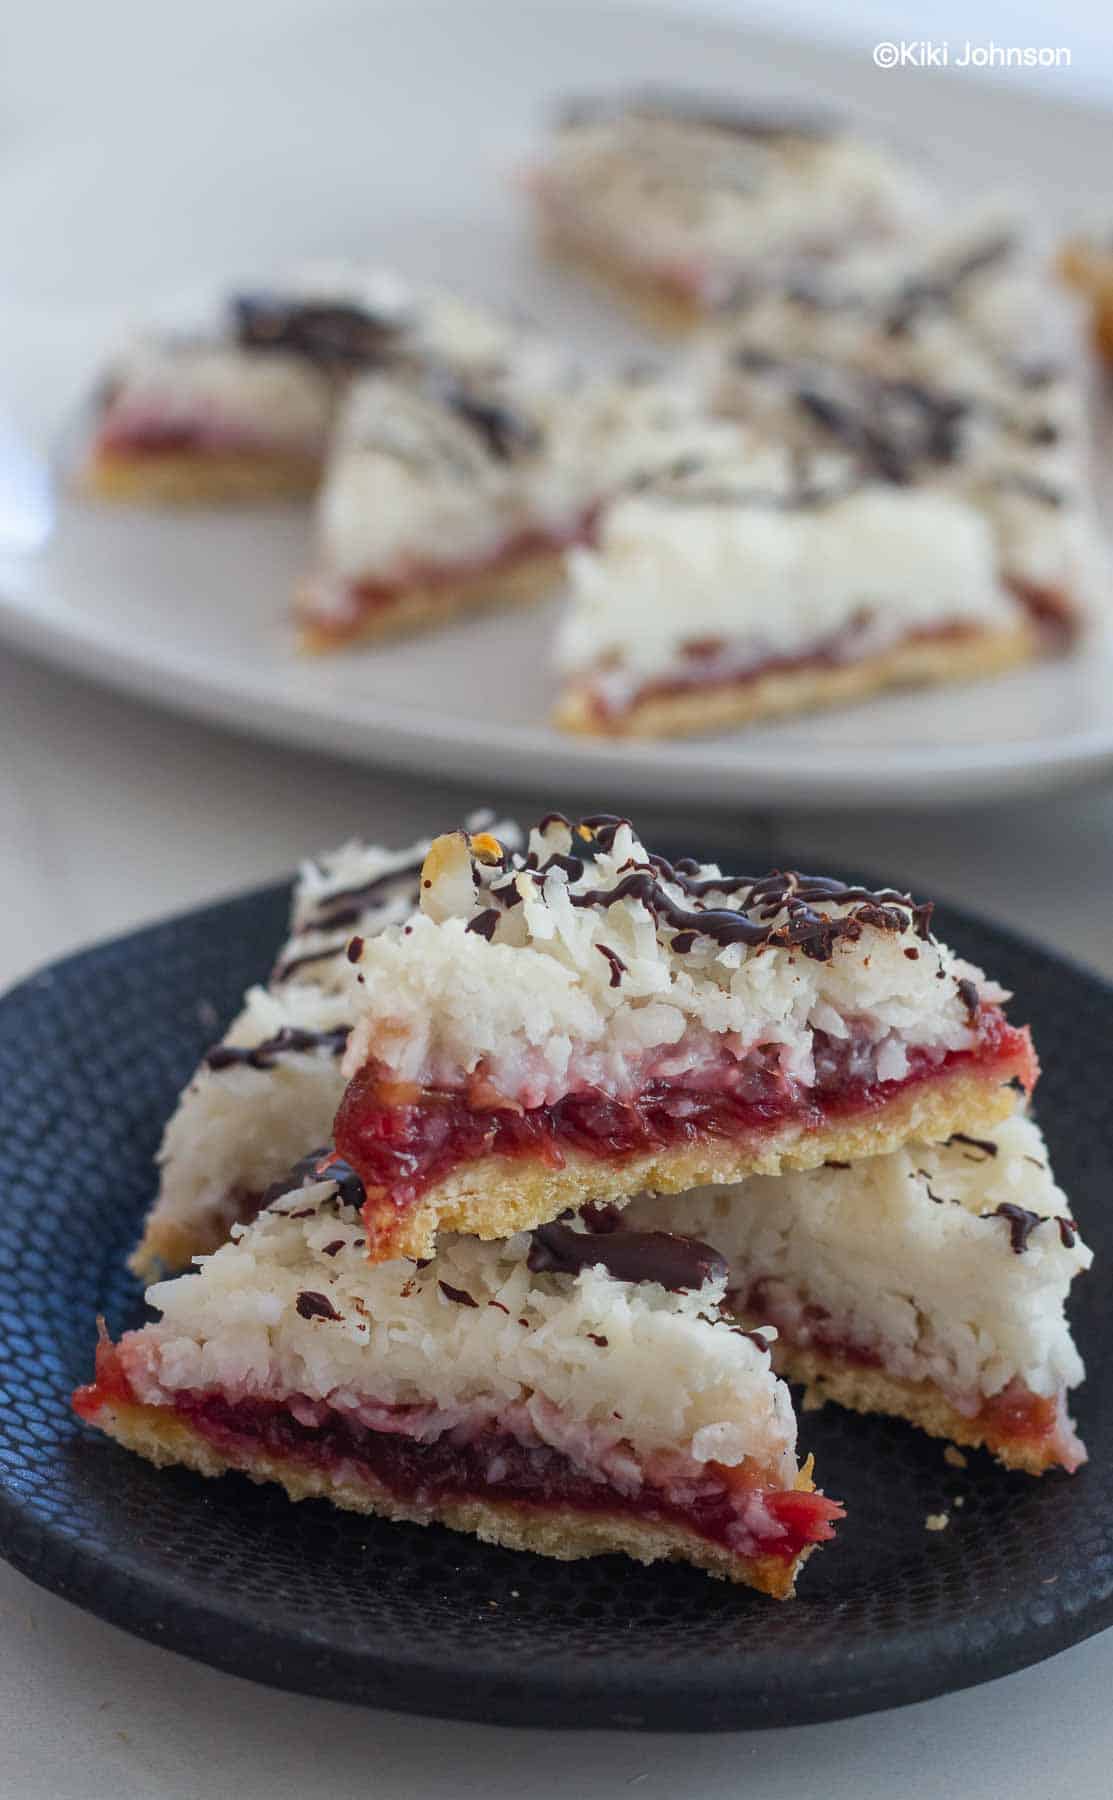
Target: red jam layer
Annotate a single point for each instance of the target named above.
(400, 1148)
(361, 599)
(706, 665)
(491, 1466)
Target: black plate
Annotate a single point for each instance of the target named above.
(92, 1053)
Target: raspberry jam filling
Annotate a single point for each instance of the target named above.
(194, 437)
(340, 610)
(400, 1147)
(709, 665)
(719, 1504)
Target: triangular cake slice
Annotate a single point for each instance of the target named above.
(468, 485)
(928, 1284)
(270, 1088)
(599, 1021)
(497, 1389)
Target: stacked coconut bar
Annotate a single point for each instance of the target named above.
(472, 1311)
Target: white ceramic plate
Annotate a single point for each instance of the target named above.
(392, 134)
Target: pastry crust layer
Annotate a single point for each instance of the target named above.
(920, 662)
(433, 603)
(499, 1195)
(865, 1390)
(165, 1439)
(208, 478)
(659, 308)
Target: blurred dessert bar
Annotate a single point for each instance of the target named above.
(910, 502)
(675, 202)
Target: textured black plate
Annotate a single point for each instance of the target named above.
(92, 1053)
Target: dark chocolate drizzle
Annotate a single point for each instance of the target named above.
(984, 1144)
(813, 933)
(284, 970)
(346, 906)
(679, 1264)
(504, 433)
(618, 967)
(311, 1305)
(484, 923)
(458, 1296)
(1020, 1221)
(334, 334)
(286, 1042)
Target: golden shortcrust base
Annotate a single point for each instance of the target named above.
(199, 478)
(865, 1390)
(423, 606)
(499, 1195)
(920, 662)
(165, 1439)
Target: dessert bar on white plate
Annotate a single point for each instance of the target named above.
(506, 1390)
(674, 201)
(267, 1093)
(912, 502)
(773, 581)
(240, 405)
(468, 488)
(953, 361)
(929, 1284)
(595, 1020)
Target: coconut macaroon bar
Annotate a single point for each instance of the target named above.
(775, 580)
(952, 363)
(673, 201)
(242, 408)
(573, 1030)
(912, 503)
(268, 1091)
(519, 1391)
(928, 1284)
(468, 487)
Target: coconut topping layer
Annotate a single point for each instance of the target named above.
(571, 973)
(768, 556)
(948, 1263)
(272, 1085)
(705, 192)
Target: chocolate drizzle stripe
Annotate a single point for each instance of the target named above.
(288, 1042)
(679, 1264)
(814, 933)
(1020, 1221)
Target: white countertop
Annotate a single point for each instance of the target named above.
(111, 814)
